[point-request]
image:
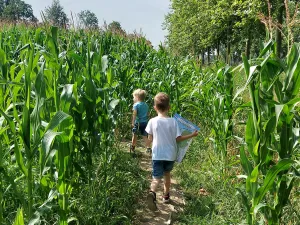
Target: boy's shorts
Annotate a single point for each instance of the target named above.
(160, 167)
(140, 127)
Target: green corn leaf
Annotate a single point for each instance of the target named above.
(9, 121)
(66, 97)
(113, 104)
(256, 147)
(48, 161)
(19, 218)
(35, 219)
(278, 110)
(292, 82)
(266, 48)
(269, 127)
(254, 174)
(245, 162)
(296, 136)
(249, 135)
(266, 60)
(19, 158)
(58, 118)
(104, 63)
(49, 137)
(18, 152)
(27, 46)
(76, 57)
(293, 102)
(110, 76)
(258, 207)
(52, 42)
(46, 144)
(250, 72)
(284, 164)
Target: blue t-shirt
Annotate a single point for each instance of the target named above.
(142, 112)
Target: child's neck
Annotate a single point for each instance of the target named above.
(163, 114)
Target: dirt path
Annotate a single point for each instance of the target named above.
(166, 213)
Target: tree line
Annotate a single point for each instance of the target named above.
(19, 11)
(230, 27)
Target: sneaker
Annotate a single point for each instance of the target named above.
(149, 150)
(151, 201)
(166, 198)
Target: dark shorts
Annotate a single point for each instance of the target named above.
(140, 128)
(160, 167)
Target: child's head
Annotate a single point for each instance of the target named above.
(162, 102)
(139, 95)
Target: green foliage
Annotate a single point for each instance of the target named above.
(19, 219)
(115, 27)
(16, 10)
(202, 168)
(55, 14)
(118, 208)
(195, 26)
(64, 96)
(88, 19)
(269, 134)
(211, 101)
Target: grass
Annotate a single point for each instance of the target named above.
(120, 185)
(202, 168)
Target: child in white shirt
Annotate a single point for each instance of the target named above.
(163, 132)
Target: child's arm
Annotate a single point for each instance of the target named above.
(150, 138)
(185, 137)
(133, 118)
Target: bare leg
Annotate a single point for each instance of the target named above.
(154, 184)
(146, 141)
(151, 197)
(134, 139)
(167, 182)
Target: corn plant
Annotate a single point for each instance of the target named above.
(272, 133)
(210, 100)
(47, 132)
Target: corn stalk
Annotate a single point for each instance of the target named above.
(271, 133)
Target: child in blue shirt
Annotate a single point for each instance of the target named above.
(139, 119)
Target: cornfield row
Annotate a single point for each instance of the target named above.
(63, 95)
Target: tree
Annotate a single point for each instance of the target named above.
(281, 18)
(88, 19)
(198, 27)
(16, 10)
(56, 15)
(115, 27)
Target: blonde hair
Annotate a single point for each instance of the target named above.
(162, 101)
(140, 94)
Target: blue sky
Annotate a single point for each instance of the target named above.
(147, 15)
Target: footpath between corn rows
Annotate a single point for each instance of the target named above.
(166, 213)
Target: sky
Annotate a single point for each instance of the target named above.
(147, 15)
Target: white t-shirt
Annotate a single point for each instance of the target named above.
(164, 131)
